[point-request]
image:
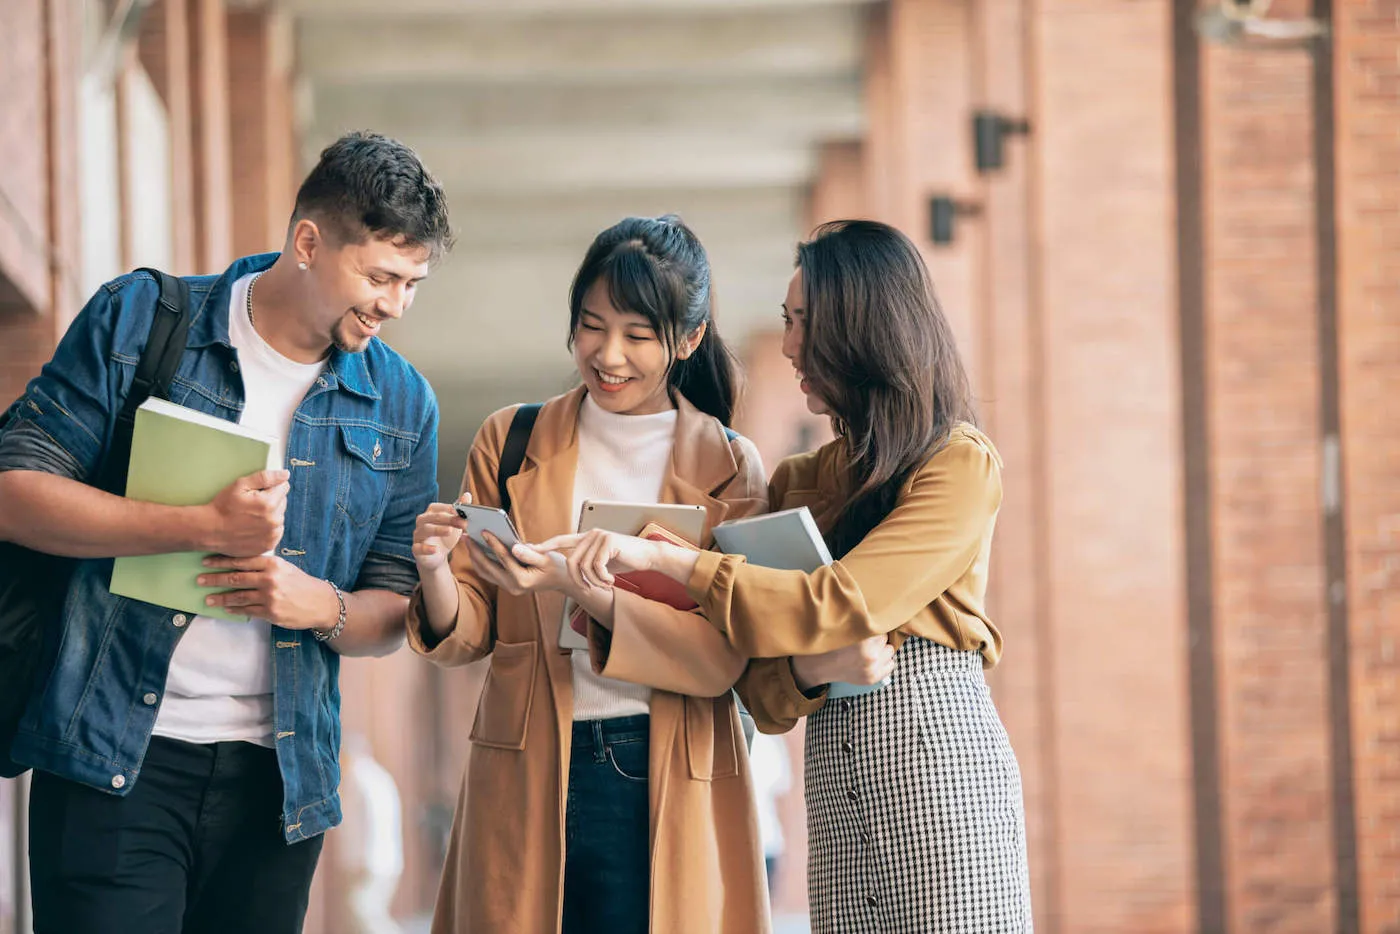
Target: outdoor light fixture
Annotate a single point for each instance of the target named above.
(988, 128)
(941, 213)
(1246, 22)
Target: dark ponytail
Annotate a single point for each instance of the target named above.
(656, 267)
(709, 378)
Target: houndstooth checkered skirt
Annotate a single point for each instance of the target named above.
(914, 812)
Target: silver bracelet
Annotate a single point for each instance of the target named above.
(339, 627)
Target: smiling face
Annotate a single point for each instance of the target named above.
(794, 333)
(360, 286)
(623, 361)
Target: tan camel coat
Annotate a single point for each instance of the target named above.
(505, 863)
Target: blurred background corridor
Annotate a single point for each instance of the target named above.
(1168, 234)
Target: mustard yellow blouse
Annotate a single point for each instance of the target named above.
(920, 572)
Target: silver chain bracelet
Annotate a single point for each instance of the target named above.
(339, 626)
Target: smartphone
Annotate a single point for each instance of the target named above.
(488, 519)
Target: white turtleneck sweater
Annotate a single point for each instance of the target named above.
(622, 458)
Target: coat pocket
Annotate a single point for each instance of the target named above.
(504, 709)
(710, 737)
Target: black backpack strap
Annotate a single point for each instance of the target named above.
(165, 345)
(513, 451)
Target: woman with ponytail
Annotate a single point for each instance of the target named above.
(608, 788)
(914, 809)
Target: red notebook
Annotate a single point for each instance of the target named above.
(653, 585)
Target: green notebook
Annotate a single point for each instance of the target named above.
(181, 457)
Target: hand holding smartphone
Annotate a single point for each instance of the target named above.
(481, 519)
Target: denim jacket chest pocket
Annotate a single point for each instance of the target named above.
(371, 458)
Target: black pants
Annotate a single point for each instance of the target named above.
(607, 862)
(195, 847)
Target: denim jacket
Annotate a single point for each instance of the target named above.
(363, 458)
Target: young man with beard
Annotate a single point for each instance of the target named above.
(186, 766)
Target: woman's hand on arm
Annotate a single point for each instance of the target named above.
(595, 557)
(868, 661)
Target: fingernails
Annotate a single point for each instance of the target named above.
(209, 601)
(202, 581)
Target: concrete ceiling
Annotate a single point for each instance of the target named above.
(548, 120)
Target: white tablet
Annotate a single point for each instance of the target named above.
(630, 518)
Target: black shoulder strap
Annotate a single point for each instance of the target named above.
(513, 451)
(165, 344)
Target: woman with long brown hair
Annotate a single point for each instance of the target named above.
(915, 813)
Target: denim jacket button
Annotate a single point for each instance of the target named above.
(150, 699)
(118, 781)
(321, 381)
(233, 366)
(179, 619)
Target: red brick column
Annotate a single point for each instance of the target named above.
(918, 99)
(839, 192)
(260, 101)
(1367, 74)
(1009, 332)
(1108, 421)
(1265, 459)
(209, 124)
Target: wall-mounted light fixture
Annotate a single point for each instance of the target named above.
(988, 129)
(1247, 23)
(942, 212)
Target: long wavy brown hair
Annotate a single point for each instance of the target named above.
(880, 353)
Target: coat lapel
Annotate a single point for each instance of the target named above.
(701, 465)
(541, 498)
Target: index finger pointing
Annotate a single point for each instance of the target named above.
(566, 542)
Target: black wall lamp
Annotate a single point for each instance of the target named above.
(942, 212)
(988, 130)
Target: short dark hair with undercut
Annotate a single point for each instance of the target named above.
(368, 185)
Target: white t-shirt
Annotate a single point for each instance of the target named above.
(220, 682)
(622, 458)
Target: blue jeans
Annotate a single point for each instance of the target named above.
(607, 831)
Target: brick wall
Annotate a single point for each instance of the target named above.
(918, 96)
(1009, 392)
(1263, 384)
(262, 139)
(211, 133)
(1102, 195)
(1367, 69)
